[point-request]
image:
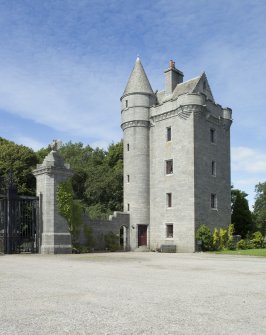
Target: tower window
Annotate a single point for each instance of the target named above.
(169, 199)
(128, 178)
(212, 135)
(128, 147)
(168, 134)
(169, 231)
(213, 201)
(128, 207)
(213, 168)
(169, 166)
(126, 103)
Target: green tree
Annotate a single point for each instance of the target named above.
(20, 160)
(260, 207)
(98, 177)
(241, 215)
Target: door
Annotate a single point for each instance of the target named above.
(142, 235)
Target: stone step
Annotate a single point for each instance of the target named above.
(142, 248)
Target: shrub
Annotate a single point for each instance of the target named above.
(215, 240)
(230, 230)
(241, 245)
(250, 244)
(204, 234)
(231, 244)
(223, 237)
(257, 240)
(111, 241)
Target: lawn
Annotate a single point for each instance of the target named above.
(248, 252)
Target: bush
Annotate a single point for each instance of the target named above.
(222, 237)
(204, 234)
(242, 245)
(111, 241)
(250, 244)
(231, 244)
(215, 240)
(257, 240)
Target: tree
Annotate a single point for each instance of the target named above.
(19, 160)
(98, 177)
(260, 207)
(241, 215)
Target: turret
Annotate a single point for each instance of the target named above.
(136, 101)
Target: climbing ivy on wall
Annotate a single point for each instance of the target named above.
(69, 208)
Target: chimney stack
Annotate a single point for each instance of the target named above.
(172, 77)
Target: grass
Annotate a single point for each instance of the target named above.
(248, 252)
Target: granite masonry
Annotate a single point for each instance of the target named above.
(176, 160)
(55, 236)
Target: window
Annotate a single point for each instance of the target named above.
(169, 166)
(168, 134)
(128, 178)
(169, 199)
(212, 135)
(128, 147)
(213, 201)
(169, 231)
(213, 168)
(128, 207)
(126, 103)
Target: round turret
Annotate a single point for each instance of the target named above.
(136, 101)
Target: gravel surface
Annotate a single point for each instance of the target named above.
(132, 293)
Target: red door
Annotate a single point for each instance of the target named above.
(142, 234)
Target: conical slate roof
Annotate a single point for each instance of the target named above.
(138, 81)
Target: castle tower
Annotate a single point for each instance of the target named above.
(136, 101)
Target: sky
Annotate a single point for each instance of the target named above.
(64, 65)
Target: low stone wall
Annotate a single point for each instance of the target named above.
(100, 228)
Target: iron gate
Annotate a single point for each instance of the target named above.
(19, 223)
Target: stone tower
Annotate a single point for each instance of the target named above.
(176, 160)
(136, 101)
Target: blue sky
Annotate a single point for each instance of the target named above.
(64, 65)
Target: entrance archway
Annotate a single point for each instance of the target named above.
(123, 237)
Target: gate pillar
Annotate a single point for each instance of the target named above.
(54, 232)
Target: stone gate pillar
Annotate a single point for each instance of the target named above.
(54, 232)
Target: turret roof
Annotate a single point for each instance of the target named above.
(138, 81)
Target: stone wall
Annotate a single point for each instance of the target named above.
(100, 228)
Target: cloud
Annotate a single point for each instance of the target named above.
(30, 142)
(248, 160)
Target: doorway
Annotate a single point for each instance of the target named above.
(142, 234)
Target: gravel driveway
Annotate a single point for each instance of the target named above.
(132, 293)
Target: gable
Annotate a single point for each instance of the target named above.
(203, 87)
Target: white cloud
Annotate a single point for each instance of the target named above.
(30, 142)
(248, 160)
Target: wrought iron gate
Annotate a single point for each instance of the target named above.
(19, 223)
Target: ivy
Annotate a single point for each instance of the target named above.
(69, 208)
